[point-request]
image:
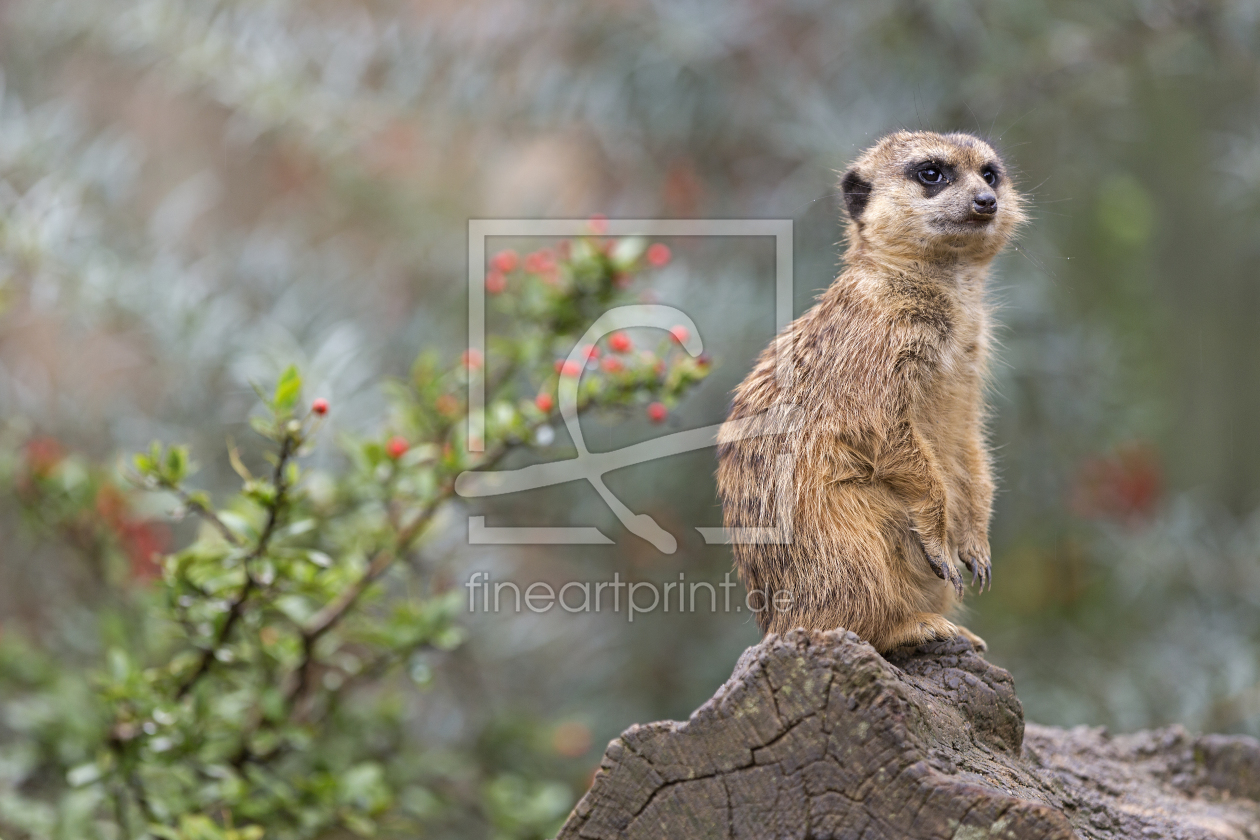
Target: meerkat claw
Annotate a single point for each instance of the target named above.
(970, 564)
(946, 571)
(980, 567)
(938, 567)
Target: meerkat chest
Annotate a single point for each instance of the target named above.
(964, 350)
(953, 394)
(943, 325)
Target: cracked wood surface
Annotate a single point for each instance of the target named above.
(816, 736)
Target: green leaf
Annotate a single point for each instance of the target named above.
(272, 704)
(363, 786)
(265, 426)
(420, 801)
(239, 525)
(449, 638)
(176, 464)
(200, 498)
(296, 529)
(288, 389)
(359, 824)
(84, 774)
(317, 558)
(297, 608)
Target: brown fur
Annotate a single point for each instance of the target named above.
(892, 484)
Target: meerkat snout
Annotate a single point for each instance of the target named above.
(984, 204)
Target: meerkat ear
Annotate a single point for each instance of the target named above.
(856, 191)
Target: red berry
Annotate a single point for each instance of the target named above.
(397, 447)
(599, 224)
(545, 403)
(680, 334)
(658, 255)
(320, 406)
(613, 365)
(495, 282)
(591, 352)
(505, 261)
(657, 412)
(539, 262)
(471, 359)
(569, 368)
(620, 342)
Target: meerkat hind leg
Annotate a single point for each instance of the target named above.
(976, 642)
(921, 627)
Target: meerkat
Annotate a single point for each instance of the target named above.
(891, 484)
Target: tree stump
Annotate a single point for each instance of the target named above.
(816, 737)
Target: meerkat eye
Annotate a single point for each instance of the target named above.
(989, 175)
(931, 175)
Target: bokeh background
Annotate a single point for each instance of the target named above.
(196, 193)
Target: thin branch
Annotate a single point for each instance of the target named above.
(327, 617)
(187, 500)
(237, 607)
(130, 780)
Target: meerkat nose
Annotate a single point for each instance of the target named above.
(985, 203)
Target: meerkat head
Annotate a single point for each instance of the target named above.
(922, 195)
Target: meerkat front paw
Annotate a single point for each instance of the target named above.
(944, 569)
(974, 554)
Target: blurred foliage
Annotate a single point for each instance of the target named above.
(196, 194)
(253, 682)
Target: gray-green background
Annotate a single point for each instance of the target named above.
(194, 194)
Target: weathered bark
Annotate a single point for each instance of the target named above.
(818, 736)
